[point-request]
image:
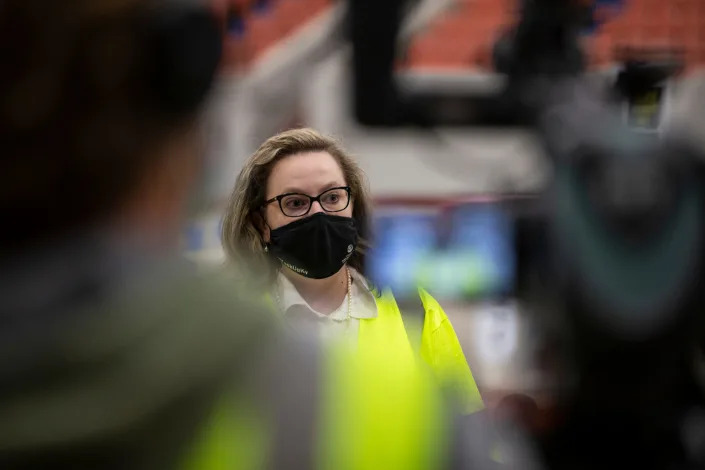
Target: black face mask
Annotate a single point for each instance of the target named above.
(316, 246)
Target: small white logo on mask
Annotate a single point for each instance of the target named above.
(350, 253)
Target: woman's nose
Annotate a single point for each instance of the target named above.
(316, 208)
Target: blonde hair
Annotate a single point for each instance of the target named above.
(242, 240)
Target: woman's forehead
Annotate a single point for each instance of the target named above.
(309, 172)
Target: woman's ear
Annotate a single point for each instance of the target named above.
(265, 233)
(261, 225)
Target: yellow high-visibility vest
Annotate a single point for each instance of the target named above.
(440, 348)
(378, 409)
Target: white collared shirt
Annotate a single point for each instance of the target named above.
(335, 325)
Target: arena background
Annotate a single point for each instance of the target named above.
(287, 65)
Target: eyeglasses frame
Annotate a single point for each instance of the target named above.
(312, 199)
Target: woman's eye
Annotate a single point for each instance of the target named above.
(334, 197)
(295, 203)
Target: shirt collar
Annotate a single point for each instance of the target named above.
(364, 305)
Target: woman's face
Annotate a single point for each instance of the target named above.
(309, 173)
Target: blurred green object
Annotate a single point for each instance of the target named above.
(454, 275)
(233, 438)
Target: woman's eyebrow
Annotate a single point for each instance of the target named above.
(334, 184)
(292, 189)
(322, 189)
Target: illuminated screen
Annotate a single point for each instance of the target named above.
(463, 253)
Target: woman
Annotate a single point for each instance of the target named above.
(300, 208)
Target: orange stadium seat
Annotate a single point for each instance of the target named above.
(265, 24)
(262, 31)
(293, 13)
(663, 24)
(600, 50)
(289, 14)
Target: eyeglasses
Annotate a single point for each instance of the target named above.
(298, 205)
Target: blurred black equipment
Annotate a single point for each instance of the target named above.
(611, 258)
(186, 44)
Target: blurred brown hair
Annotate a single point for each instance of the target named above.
(79, 124)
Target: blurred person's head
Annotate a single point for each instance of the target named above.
(98, 116)
(271, 206)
